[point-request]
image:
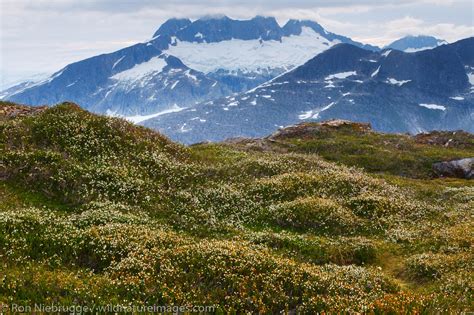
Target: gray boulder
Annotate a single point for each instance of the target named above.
(463, 168)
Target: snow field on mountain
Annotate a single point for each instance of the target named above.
(251, 55)
(138, 72)
(433, 106)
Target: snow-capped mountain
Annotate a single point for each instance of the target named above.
(186, 62)
(140, 79)
(393, 90)
(244, 54)
(416, 43)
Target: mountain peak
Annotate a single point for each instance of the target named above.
(218, 28)
(294, 27)
(208, 17)
(413, 43)
(172, 26)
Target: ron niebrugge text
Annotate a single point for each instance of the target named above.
(105, 308)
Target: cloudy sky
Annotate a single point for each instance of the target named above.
(41, 36)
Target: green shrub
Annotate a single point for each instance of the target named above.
(319, 250)
(317, 214)
(432, 266)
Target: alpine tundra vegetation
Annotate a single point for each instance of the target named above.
(319, 218)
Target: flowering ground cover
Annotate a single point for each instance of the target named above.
(97, 210)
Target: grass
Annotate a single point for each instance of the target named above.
(394, 154)
(97, 210)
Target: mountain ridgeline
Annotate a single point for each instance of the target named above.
(183, 64)
(416, 43)
(392, 90)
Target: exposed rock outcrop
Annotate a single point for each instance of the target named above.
(10, 110)
(463, 168)
(303, 130)
(449, 139)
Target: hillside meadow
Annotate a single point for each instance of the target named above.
(96, 210)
